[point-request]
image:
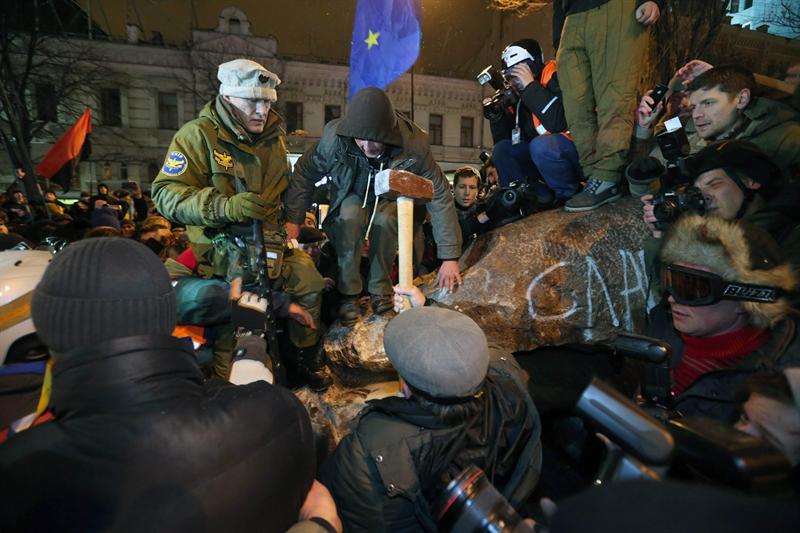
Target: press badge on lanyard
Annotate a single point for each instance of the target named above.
(516, 133)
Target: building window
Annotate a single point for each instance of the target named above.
(435, 129)
(748, 4)
(734, 6)
(167, 111)
(466, 131)
(46, 103)
(294, 116)
(332, 112)
(110, 107)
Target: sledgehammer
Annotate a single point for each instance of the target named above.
(408, 189)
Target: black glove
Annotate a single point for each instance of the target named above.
(248, 313)
(252, 347)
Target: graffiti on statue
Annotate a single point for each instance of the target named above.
(632, 292)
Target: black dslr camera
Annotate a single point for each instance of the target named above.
(503, 97)
(510, 203)
(672, 203)
(678, 195)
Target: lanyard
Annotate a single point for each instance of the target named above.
(516, 114)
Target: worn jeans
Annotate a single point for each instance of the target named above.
(553, 157)
(346, 228)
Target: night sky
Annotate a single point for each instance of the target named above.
(459, 37)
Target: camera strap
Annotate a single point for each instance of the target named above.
(516, 133)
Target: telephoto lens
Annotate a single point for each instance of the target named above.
(471, 504)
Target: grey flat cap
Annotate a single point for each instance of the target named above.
(438, 351)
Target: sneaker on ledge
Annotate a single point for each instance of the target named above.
(596, 193)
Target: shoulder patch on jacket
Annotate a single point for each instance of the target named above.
(223, 158)
(175, 164)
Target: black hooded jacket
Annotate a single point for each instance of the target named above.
(337, 156)
(387, 474)
(141, 443)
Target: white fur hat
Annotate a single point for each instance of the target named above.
(247, 79)
(737, 251)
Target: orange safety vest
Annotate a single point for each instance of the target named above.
(547, 74)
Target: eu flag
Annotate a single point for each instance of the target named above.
(385, 44)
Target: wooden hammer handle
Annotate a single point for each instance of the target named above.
(405, 244)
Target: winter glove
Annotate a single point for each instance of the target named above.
(244, 207)
(249, 312)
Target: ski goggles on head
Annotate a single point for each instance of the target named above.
(696, 287)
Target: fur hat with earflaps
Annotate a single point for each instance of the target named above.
(736, 251)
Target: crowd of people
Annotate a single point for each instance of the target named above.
(138, 428)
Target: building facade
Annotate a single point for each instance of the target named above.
(149, 89)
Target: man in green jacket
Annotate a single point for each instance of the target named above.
(370, 138)
(226, 169)
(724, 107)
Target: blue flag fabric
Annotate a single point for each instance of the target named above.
(386, 37)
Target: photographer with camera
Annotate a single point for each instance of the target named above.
(726, 313)
(462, 402)
(529, 130)
(733, 180)
(724, 106)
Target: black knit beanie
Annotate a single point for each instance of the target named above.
(101, 289)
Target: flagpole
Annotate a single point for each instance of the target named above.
(412, 93)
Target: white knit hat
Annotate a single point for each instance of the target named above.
(247, 79)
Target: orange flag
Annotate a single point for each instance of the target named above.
(67, 148)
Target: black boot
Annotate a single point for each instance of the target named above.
(349, 311)
(381, 303)
(310, 368)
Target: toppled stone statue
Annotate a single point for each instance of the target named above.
(549, 279)
(556, 277)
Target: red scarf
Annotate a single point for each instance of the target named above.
(706, 354)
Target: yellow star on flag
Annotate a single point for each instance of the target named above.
(372, 39)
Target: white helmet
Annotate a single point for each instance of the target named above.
(514, 54)
(20, 272)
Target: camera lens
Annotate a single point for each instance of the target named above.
(509, 199)
(666, 211)
(470, 503)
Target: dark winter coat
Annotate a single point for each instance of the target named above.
(339, 158)
(469, 223)
(141, 443)
(388, 472)
(714, 393)
(544, 101)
